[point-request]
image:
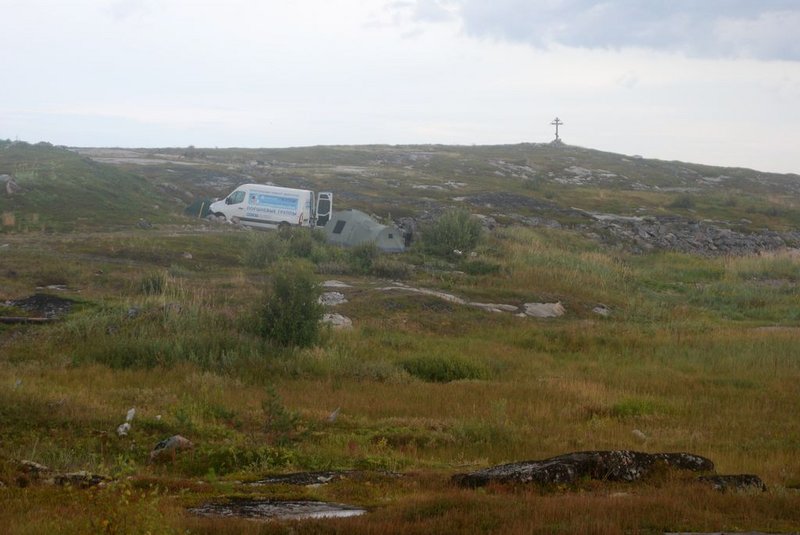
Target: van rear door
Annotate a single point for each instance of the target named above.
(324, 208)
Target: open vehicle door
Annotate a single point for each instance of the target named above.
(324, 208)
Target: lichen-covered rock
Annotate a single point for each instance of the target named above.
(736, 482)
(169, 447)
(82, 479)
(330, 299)
(33, 468)
(615, 465)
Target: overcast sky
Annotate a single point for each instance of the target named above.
(707, 81)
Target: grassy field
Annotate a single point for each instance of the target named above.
(698, 354)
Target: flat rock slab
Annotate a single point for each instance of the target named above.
(335, 284)
(275, 509)
(615, 465)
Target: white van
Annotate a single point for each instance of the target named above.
(258, 205)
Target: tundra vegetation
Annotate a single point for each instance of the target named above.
(184, 320)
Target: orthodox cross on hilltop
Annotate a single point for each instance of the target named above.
(557, 122)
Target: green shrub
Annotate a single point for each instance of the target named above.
(455, 230)
(682, 201)
(264, 249)
(362, 256)
(153, 283)
(390, 268)
(232, 458)
(281, 425)
(479, 267)
(302, 242)
(440, 369)
(291, 313)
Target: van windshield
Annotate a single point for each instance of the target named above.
(235, 198)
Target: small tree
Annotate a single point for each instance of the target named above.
(456, 229)
(291, 313)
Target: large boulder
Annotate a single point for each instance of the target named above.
(615, 465)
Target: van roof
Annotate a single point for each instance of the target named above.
(272, 188)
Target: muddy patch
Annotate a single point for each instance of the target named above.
(275, 510)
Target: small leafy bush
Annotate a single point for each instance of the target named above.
(441, 369)
(291, 312)
(455, 230)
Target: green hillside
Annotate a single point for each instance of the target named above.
(68, 189)
(542, 180)
(62, 190)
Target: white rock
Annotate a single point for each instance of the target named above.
(494, 307)
(337, 321)
(602, 310)
(123, 429)
(130, 415)
(545, 310)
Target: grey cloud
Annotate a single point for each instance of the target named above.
(764, 29)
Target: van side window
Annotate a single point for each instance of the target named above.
(235, 198)
(339, 227)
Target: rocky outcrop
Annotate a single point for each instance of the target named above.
(677, 234)
(614, 465)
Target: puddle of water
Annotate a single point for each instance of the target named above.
(278, 510)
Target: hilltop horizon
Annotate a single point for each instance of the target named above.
(415, 144)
